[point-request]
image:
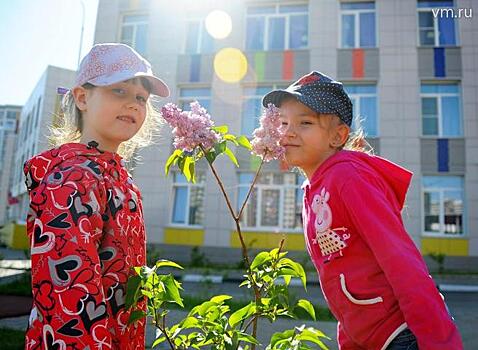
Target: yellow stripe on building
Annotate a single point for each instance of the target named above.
(293, 240)
(184, 236)
(447, 246)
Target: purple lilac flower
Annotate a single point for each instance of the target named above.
(190, 128)
(266, 142)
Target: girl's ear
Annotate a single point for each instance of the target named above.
(340, 135)
(79, 94)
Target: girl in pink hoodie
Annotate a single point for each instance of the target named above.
(371, 273)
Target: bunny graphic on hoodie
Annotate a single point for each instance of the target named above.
(371, 273)
(86, 230)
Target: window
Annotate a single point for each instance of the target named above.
(441, 115)
(443, 205)
(278, 27)
(364, 99)
(188, 208)
(188, 95)
(198, 39)
(434, 29)
(358, 24)
(252, 107)
(275, 202)
(134, 32)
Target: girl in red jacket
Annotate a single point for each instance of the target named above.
(372, 275)
(86, 217)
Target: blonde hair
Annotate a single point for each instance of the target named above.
(70, 126)
(356, 139)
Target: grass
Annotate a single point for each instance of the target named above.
(20, 286)
(12, 339)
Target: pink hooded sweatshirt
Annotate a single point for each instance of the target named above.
(371, 273)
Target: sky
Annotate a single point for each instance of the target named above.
(38, 33)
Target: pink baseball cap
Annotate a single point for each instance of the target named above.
(111, 63)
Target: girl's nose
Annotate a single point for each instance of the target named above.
(289, 131)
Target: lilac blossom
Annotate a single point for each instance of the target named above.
(266, 142)
(190, 128)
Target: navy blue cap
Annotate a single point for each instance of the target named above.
(318, 92)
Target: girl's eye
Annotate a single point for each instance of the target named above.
(306, 123)
(284, 123)
(141, 99)
(119, 91)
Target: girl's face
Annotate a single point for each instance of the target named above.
(112, 114)
(309, 139)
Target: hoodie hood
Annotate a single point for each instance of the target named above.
(397, 177)
(36, 168)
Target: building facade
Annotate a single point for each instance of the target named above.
(408, 66)
(38, 114)
(9, 116)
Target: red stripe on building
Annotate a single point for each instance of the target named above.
(288, 65)
(358, 63)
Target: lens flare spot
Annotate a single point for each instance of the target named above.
(230, 65)
(218, 24)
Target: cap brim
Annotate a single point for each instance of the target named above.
(158, 87)
(277, 96)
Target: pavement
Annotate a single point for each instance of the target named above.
(460, 291)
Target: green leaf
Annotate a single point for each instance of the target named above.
(211, 155)
(260, 259)
(219, 299)
(173, 158)
(220, 129)
(307, 306)
(247, 338)
(158, 341)
(192, 171)
(242, 314)
(186, 170)
(181, 161)
(231, 138)
(279, 336)
(163, 263)
(244, 142)
(189, 322)
(220, 147)
(172, 290)
(132, 290)
(231, 156)
(136, 315)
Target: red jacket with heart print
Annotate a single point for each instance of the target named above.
(372, 275)
(86, 230)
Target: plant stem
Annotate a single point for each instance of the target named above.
(237, 218)
(221, 186)
(157, 323)
(250, 189)
(163, 330)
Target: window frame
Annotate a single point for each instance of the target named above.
(188, 186)
(276, 14)
(356, 13)
(258, 219)
(134, 25)
(245, 97)
(357, 96)
(439, 97)
(188, 99)
(202, 29)
(436, 30)
(441, 215)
